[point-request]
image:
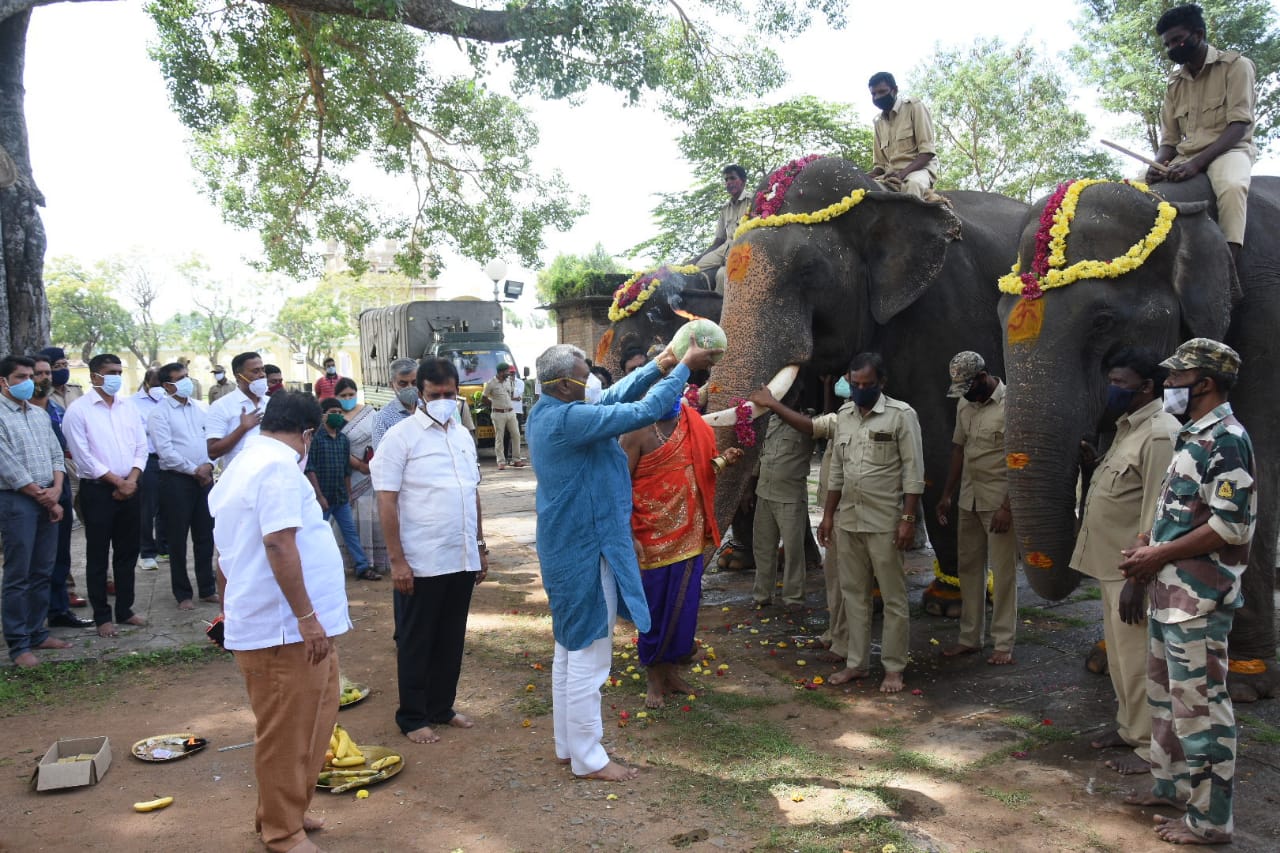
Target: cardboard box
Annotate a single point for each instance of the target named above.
(96, 758)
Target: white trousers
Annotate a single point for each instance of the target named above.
(576, 679)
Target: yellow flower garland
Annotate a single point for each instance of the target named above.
(1136, 255)
(616, 313)
(827, 213)
(954, 580)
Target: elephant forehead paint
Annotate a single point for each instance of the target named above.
(738, 262)
(1025, 321)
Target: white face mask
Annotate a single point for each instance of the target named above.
(442, 411)
(218, 377)
(258, 387)
(156, 393)
(1176, 400)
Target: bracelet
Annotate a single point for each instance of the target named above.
(308, 616)
(909, 519)
(719, 463)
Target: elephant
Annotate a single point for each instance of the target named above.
(914, 281)
(1187, 287)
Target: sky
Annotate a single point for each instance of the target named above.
(112, 159)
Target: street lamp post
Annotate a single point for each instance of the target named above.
(496, 270)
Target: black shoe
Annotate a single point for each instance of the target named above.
(69, 620)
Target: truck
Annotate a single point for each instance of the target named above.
(467, 332)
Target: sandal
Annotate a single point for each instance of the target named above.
(368, 575)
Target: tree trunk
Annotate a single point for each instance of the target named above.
(24, 311)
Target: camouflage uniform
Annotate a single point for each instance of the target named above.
(1193, 601)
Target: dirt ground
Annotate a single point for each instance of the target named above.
(970, 758)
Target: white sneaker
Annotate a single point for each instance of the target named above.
(149, 564)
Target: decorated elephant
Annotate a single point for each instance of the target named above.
(836, 267)
(1153, 276)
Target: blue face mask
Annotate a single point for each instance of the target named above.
(347, 403)
(184, 387)
(1119, 399)
(111, 384)
(842, 389)
(23, 390)
(865, 398)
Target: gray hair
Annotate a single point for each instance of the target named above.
(558, 362)
(401, 366)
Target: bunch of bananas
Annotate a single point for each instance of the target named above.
(343, 750)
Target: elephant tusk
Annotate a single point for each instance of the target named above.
(779, 385)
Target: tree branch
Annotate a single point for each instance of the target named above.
(433, 16)
(9, 8)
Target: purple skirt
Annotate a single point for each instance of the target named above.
(674, 593)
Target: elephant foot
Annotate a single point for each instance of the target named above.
(1251, 680)
(1096, 662)
(940, 599)
(734, 558)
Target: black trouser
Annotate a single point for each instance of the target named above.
(59, 600)
(110, 527)
(431, 625)
(153, 526)
(186, 509)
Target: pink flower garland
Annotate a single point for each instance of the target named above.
(769, 201)
(742, 429)
(691, 396)
(1040, 260)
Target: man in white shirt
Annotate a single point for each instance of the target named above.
(109, 446)
(237, 414)
(153, 543)
(500, 392)
(281, 579)
(176, 427)
(426, 478)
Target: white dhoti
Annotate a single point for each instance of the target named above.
(576, 679)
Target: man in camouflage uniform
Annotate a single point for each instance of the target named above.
(1193, 558)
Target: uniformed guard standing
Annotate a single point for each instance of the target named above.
(871, 507)
(782, 509)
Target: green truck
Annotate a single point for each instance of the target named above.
(467, 332)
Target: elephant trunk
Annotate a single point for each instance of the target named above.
(1042, 445)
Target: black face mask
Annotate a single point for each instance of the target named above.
(886, 103)
(978, 393)
(1184, 53)
(865, 398)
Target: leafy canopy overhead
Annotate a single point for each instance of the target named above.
(1122, 56)
(1003, 119)
(290, 102)
(594, 273)
(759, 140)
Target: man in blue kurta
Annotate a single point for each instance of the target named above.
(589, 567)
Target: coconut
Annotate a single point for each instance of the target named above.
(701, 331)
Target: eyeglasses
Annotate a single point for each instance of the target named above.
(571, 379)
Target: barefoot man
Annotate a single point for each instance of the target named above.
(1192, 560)
(673, 521)
(589, 566)
(1120, 504)
(872, 503)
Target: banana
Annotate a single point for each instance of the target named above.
(153, 805)
(349, 761)
(383, 763)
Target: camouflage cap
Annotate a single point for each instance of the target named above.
(1204, 353)
(964, 366)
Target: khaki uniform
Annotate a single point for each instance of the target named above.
(983, 490)
(877, 460)
(731, 214)
(1121, 504)
(837, 633)
(782, 510)
(218, 390)
(899, 139)
(505, 423)
(1197, 111)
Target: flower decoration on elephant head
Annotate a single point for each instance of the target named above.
(769, 201)
(1048, 263)
(635, 291)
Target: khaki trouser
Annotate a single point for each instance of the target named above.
(865, 560)
(506, 423)
(837, 633)
(918, 184)
(978, 547)
(295, 705)
(1229, 176)
(1127, 651)
(790, 521)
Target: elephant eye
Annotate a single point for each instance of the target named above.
(1102, 321)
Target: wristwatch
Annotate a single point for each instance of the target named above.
(909, 519)
(484, 549)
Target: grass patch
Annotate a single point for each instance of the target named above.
(893, 734)
(1012, 799)
(1259, 731)
(859, 834)
(820, 699)
(1088, 593)
(24, 689)
(1038, 735)
(534, 706)
(913, 761)
(732, 702)
(1049, 616)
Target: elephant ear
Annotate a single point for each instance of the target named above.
(904, 243)
(1204, 273)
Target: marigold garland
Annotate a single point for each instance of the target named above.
(1047, 271)
(635, 291)
(954, 580)
(817, 217)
